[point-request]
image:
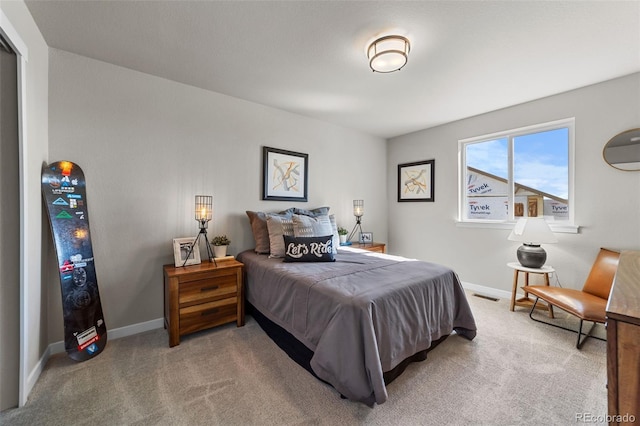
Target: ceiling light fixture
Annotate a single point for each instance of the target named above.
(388, 54)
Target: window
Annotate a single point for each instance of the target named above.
(523, 172)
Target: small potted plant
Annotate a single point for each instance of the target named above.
(342, 233)
(220, 244)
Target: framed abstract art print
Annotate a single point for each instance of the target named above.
(285, 175)
(415, 181)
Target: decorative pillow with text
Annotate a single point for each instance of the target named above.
(308, 249)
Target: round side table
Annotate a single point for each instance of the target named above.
(526, 301)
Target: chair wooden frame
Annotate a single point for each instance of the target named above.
(588, 304)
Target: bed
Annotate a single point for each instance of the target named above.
(358, 320)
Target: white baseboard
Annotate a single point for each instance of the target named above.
(130, 330)
(486, 291)
(35, 373)
(116, 333)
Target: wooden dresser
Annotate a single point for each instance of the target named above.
(623, 341)
(198, 297)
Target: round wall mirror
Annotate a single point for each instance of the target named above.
(623, 150)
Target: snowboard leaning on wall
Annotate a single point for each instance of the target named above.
(65, 197)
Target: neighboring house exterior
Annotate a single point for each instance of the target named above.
(487, 198)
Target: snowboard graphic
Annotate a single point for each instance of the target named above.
(64, 192)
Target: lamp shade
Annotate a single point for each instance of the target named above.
(388, 54)
(358, 208)
(532, 230)
(204, 208)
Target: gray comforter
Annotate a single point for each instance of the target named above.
(360, 315)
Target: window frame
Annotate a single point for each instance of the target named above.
(567, 226)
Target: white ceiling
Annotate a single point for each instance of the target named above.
(308, 57)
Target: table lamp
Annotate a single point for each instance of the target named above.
(532, 231)
(358, 212)
(203, 214)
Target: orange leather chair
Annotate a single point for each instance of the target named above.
(588, 304)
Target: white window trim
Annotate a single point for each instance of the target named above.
(567, 226)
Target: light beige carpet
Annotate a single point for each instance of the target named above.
(515, 372)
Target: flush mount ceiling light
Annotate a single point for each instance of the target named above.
(388, 54)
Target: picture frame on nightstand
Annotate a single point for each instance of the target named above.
(181, 248)
(366, 238)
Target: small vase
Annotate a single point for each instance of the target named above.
(343, 239)
(219, 251)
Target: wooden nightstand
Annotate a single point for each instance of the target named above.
(374, 247)
(202, 296)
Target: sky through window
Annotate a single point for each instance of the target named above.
(541, 160)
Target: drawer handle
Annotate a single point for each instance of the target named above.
(213, 287)
(209, 312)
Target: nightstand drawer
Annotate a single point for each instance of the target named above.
(207, 290)
(206, 315)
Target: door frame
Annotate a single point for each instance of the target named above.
(12, 37)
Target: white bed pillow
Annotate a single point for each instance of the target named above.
(334, 228)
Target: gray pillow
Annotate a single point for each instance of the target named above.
(258, 221)
(307, 226)
(278, 227)
(320, 211)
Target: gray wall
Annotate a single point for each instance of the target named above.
(148, 145)
(607, 201)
